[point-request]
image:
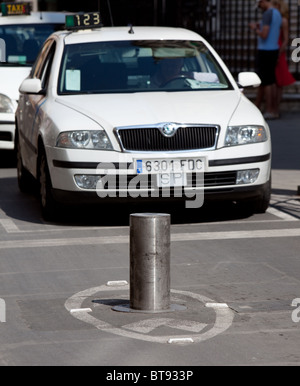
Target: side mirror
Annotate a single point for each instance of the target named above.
(31, 86)
(249, 79)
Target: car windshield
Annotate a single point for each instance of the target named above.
(139, 66)
(23, 42)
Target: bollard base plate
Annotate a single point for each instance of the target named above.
(126, 308)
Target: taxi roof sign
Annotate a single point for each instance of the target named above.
(83, 21)
(13, 9)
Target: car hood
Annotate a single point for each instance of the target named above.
(11, 79)
(114, 110)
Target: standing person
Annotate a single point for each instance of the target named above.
(268, 32)
(283, 75)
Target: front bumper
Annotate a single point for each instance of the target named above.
(221, 194)
(217, 182)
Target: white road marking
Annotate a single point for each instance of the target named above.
(229, 235)
(117, 283)
(175, 237)
(148, 325)
(9, 226)
(216, 305)
(224, 318)
(73, 310)
(282, 215)
(181, 340)
(288, 203)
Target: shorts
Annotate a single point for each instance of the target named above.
(266, 65)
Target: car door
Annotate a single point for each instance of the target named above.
(32, 116)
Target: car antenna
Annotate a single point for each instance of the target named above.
(110, 13)
(131, 31)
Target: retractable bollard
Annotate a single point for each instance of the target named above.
(149, 265)
(150, 262)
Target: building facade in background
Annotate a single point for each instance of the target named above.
(224, 23)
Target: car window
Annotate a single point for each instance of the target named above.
(46, 69)
(42, 67)
(23, 42)
(139, 66)
(39, 63)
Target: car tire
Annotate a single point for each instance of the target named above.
(26, 181)
(258, 205)
(262, 204)
(47, 202)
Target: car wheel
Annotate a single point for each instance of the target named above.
(48, 205)
(25, 179)
(258, 205)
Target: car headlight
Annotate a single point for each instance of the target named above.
(6, 105)
(84, 139)
(244, 135)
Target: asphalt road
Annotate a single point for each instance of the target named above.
(237, 278)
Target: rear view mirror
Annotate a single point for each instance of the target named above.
(31, 86)
(249, 79)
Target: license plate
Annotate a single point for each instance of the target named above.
(167, 180)
(164, 165)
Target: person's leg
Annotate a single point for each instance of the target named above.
(279, 92)
(260, 71)
(260, 97)
(271, 96)
(270, 88)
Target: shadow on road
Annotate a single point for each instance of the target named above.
(25, 207)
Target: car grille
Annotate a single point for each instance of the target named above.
(151, 138)
(217, 179)
(5, 136)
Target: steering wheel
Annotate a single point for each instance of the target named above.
(173, 79)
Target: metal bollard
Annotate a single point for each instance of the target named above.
(150, 262)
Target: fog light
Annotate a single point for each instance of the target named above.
(247, 176)
(85, 181)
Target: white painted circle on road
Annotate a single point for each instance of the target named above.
(141, 330)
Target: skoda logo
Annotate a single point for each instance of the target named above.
(169, 129)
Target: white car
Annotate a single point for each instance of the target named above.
(132, 113)
(22, 34)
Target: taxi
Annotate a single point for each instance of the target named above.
(139, 113)
(22, 34)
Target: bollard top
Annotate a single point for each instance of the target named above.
(150, 215)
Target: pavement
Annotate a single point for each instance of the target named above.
(285, 134)
(60, 282)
